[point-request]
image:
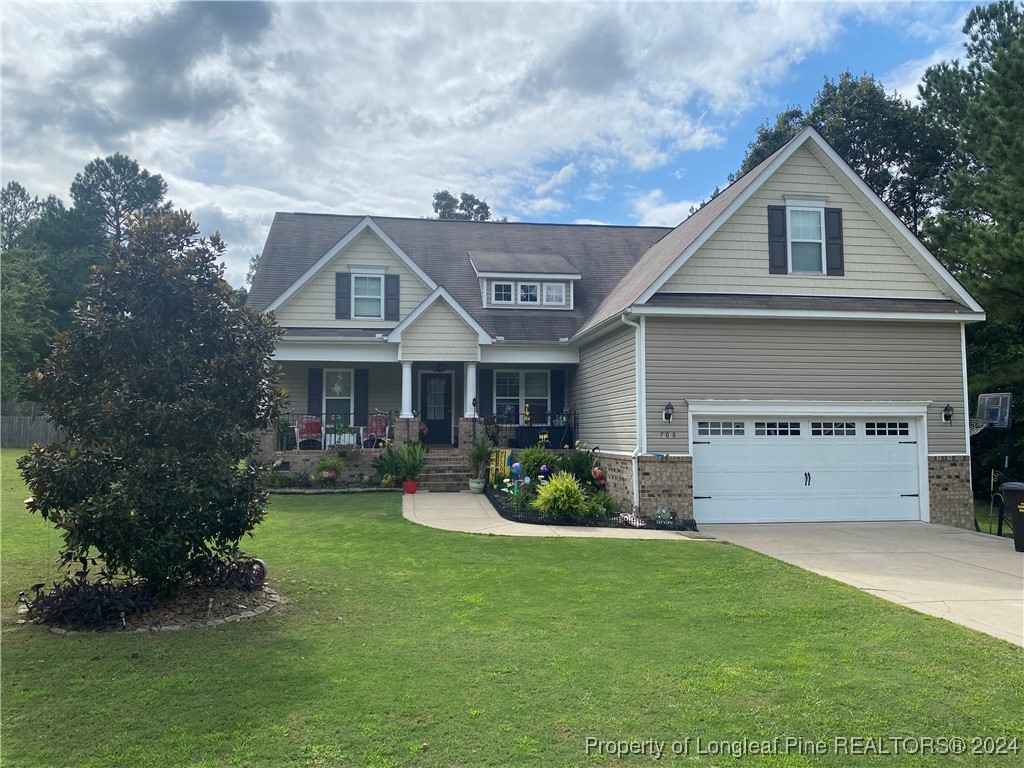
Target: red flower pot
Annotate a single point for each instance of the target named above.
(410, 486)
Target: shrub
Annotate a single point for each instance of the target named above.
(533, 458)
(580, 464)
(387, 463)
(561, 497)
(281, 480)
(522, 499)
(93, 605)
(602, 505)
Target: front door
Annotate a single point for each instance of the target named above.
(436, 408)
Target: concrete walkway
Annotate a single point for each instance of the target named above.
(473, 513)
(961, 576)
(965, 577)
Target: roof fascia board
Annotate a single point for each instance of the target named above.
(894, 220)
(809, 407)
(366, 224)
(395, 335)
(533, 277)
(813, 314)
(724, 216)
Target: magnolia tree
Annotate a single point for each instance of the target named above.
(159, 386)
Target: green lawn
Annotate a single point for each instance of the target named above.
(407, 646)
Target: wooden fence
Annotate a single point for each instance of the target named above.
(22, 424)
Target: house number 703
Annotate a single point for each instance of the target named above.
(667, 435)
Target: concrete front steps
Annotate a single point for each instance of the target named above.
(445, 470)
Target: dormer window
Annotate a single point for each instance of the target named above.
(501, 293)
(529, 293)
(554, 294)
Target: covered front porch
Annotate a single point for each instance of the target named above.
(359, 405)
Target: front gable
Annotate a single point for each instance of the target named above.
(313, 300)
(437, 330)
(877, 260)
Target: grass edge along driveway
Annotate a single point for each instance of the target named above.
(407, 646)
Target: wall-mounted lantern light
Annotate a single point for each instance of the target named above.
(667, 411)
(947, 414)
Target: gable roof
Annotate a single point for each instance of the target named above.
(299, 243)
(669, 254)
(439, 294)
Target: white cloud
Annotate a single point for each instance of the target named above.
(559, 179)
(654, 210)
(590, 221)
(370, 108)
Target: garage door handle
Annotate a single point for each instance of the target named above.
(702, 442)
(909, 495)
(701, 497)
(807, 478)
(908, 442)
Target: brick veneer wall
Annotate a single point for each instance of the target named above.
(620, 478)
(666, 481)
(949, 491)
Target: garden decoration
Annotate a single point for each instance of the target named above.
(517, 473)
(544, 473)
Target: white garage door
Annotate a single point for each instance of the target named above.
(791, 469)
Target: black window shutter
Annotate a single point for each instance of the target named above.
(315, 392)
(361, 406)
(834, 241)
(391, 285)
(342, 296)
(485, 390)
(557, 390)
(777, 261)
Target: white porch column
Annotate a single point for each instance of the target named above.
(406, 391)
(470, 390)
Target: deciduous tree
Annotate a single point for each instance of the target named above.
(466, 207)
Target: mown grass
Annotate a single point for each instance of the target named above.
(407, 646)
(987, 518)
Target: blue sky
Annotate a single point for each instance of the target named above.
(619, 113)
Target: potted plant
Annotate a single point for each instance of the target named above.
(327, 471)
(414, 457)
(479, 455)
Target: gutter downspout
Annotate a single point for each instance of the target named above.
(641, 404)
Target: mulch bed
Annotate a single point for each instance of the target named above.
(499, 500)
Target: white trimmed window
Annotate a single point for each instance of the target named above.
(501, 293)
(806, 230)
(554, 294)
(367, 297)
(514, 391)
(529, 293)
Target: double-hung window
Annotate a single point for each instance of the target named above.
(806, 239)
(367, 297)
(516, 392)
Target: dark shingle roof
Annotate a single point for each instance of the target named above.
(522, 263)
(600, 254)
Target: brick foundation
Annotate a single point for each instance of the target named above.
(620, 478)
(949, 491)
(666, 481)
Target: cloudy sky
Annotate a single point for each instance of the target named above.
(570, 112)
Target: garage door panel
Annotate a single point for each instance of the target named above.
(800, 469)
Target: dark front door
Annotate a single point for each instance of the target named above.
(436, 408)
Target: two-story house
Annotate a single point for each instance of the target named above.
(789, 352)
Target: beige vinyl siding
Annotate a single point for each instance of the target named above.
(878, 261)
(439, 334)
(312, 306)
(603, 392)
(701, 358)
(385, 384)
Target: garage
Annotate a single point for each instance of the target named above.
(771, 468)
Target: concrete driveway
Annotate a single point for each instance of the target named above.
(969, 578)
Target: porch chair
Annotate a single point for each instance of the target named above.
(310, 430)
(376, 431)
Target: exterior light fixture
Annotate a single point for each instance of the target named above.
(667, 411)
(947, 414)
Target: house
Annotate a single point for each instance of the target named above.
(790, 352)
